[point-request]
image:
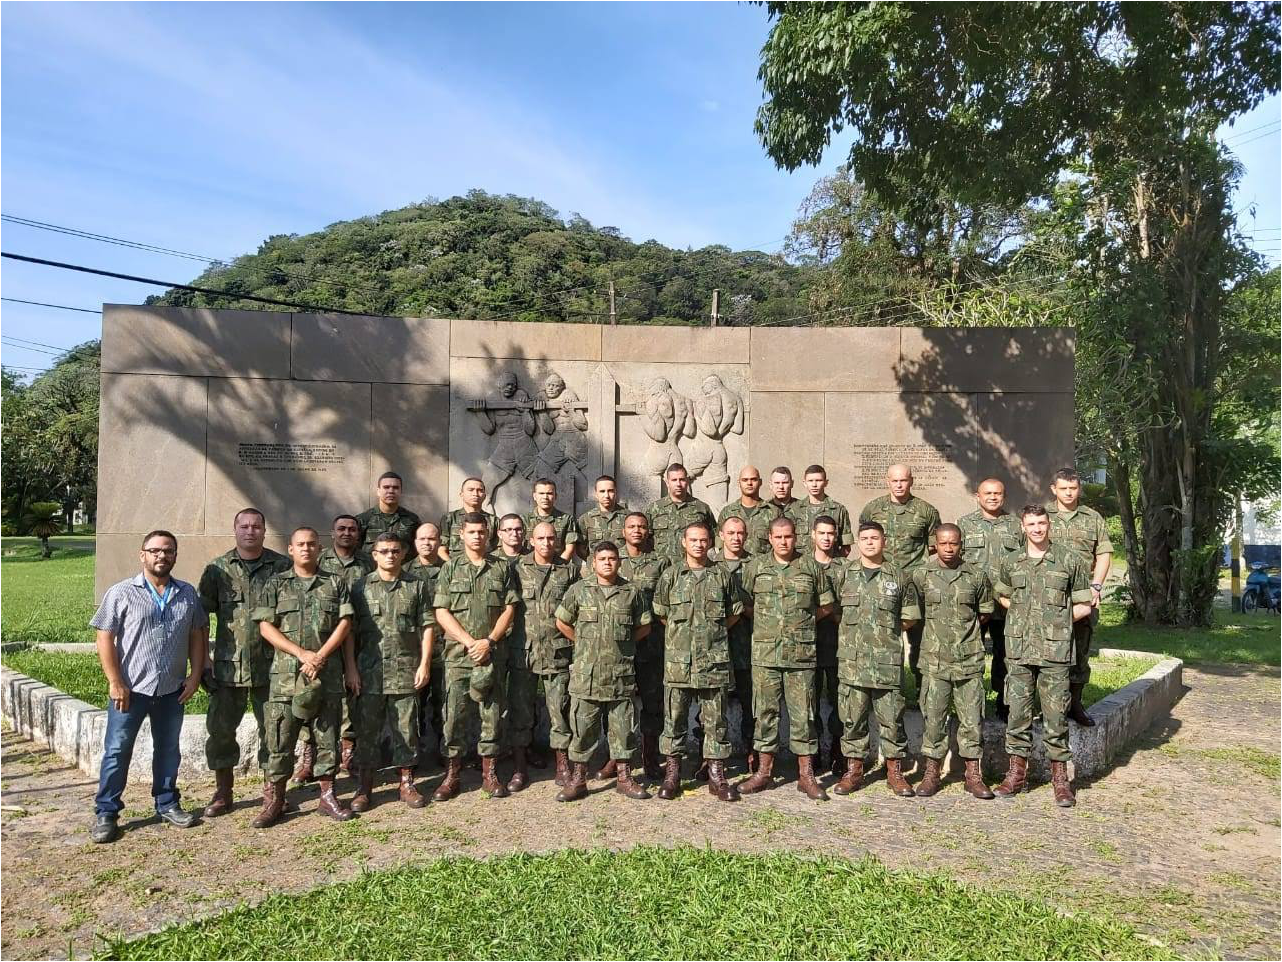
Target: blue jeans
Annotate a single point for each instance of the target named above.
(166, 716)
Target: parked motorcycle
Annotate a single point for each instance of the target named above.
(1262, 591)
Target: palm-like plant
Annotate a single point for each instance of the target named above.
(44, 520)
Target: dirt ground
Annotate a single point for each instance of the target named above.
(1180, 838)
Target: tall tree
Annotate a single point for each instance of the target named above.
(1113, 104)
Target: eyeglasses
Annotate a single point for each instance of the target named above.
(160, 551)
(387, 551)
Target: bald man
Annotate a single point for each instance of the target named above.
(755, 512)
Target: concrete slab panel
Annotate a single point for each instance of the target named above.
(1032, 359)
(932, 433)
(151, 453)
(297, 450)
(410, 435)
(787, 428)
(1023, 439)
(720, 345)
(196, 341)
(340, 347)
(531, 342)
(116, 555)
(808, 359)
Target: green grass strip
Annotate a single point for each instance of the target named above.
(79, 675)
(647, 903)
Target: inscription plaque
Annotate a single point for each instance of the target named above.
(933, 464)
(312, 457)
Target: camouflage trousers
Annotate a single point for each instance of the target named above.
(226, 709)
(1083, 632)
(518, 712)
(556, 696)
(712, 717)
(461, 707)
(399, 713)
(743, 692)
(431, 704)
(794, 687)
(346, 727)
(966, 698)
(855, 703)
(826, 686)
(1050, 684)
(282, 737)
(649, 668)
(586, 716)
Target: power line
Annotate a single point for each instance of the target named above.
(107, 238)
(1267, 133)
(61, 307)
(1250, 130)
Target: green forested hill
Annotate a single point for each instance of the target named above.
(488, 256)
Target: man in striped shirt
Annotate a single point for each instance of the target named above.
(151, 643)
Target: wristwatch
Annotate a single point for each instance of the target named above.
(1097, 586)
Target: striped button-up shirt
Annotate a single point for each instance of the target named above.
(151, 644)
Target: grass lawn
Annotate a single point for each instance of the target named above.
(1251, 639)
(78, 675)
(647, 903)
(45, 600)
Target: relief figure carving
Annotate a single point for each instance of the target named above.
(718, 412)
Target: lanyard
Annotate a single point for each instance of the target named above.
(160, 600)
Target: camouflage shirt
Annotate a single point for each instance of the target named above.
(785, 596)
(427, 574)
(1042, 592)
(757, 520)
(806, 522)
(668, 521)
(910, 528)
(351, 569)
(1082, 531)
(603, 618)
(475, 595)
(596, 526)
(985, 542)
(795, 511)
(230, 589)
(696, 604)
(952, 599)
(874, 602)
(390, 619)
(567, 529)
(826, 628)
(306, 610)
(741, 632)
(452, 532)
(544, 649)
(400, 522)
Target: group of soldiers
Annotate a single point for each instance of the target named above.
(622, 621)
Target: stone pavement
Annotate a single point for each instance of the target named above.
(1181, 838)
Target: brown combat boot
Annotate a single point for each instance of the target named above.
(520, 773)
(750, 762)
(273, 804)
(763, 778)
(852, 778)
(975, 783)
(650, 757)
(1062, 787)
(222, 800)
(838, 763)
(450, 784)
(364, 797)
(490, 783)
(701, 773)
(562, 768)
(608, 770)
(895, 778)
(1016, 779)
(329, 804)
(535, 758)
(806, 781)
(576, 785)
(306, 763)
(671, 786)
(931, 783)
(1076, 710)
(345, 759)
(410, 795)
(624, 784)
(717, 784)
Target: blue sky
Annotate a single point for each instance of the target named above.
(208, 127)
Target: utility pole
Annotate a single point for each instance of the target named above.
(614, 319)
(716, 307)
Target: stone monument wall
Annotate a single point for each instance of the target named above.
(205, 412)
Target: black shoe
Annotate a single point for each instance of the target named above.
(105, 829)
(177, 817)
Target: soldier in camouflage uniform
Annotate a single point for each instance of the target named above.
(956, 598)
(425, 567)
(755, 513)
(512, 543)
(990, 534)
(230, 589)
(877, 602)
(544, 655)
(307, 617)
(394, 620)
(909, 523)
(698, 603)
(1044, 588)
(784, 504)
(605, 521)
(642, 568)
(734, 535)
(1081, 530)
(388, 515)
(817, 504)
(604, 617)
(475, 603)
(789, 594)
(545, 509)
(669, 516)
(823, 540)
(472, 497)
